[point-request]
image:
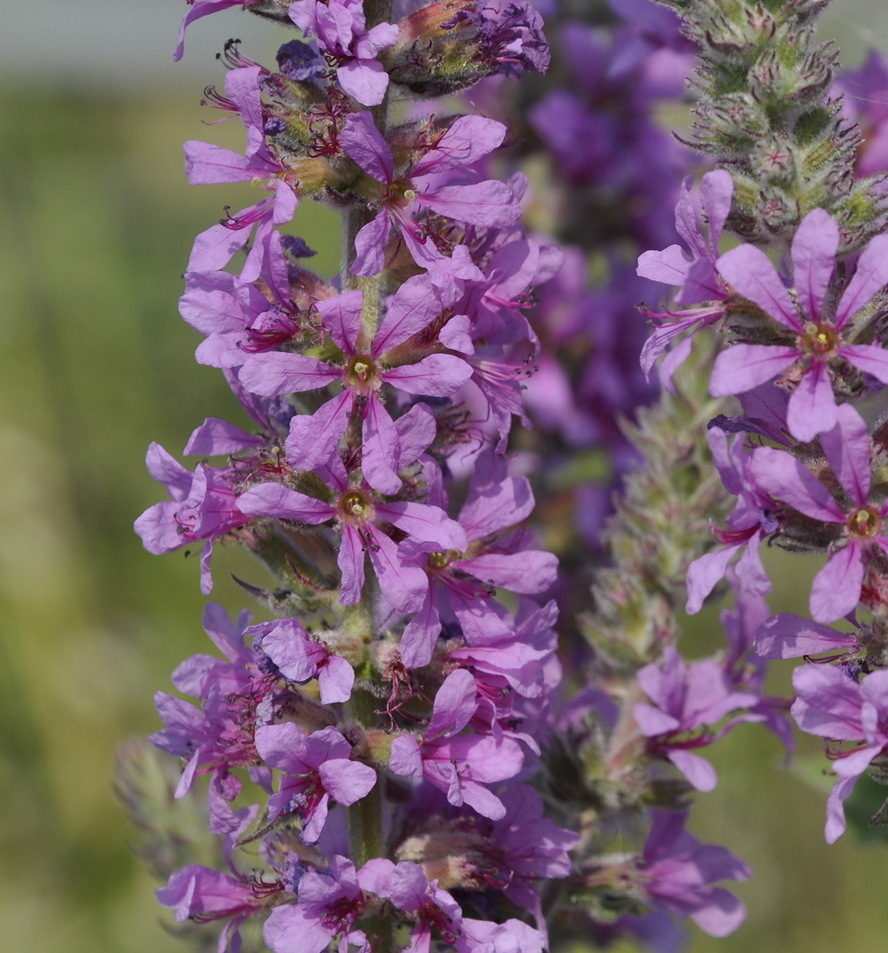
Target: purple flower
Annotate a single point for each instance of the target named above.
(678, 871)
(691, 270)
(699, 219)
(832, 705)
(429, 908)
(688, 701)
(748, 525)
(364, 366)
(340, 28)
(219, 737)
(818, 326)
(316, 768)
(198, 674)
(237, 318)
(461, 583)
(460, 765)
(357, 510)
(426, 186)
(214, 248)
(199, 893)
(836, 588)
(527, 848)
(214, 740)
(328, 906)
(203, 507)
(208, 164)
(300, 657)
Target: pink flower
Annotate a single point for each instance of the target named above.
(359, 513)
(341, 31)
(317, 768)
(427, 185)
(363, 368)
(832, 705)
(836, 588)
(818, 326)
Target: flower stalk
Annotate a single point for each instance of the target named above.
(392, 756)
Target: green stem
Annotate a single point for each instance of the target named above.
(366, 817)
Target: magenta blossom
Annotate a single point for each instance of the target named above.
(362, 367)
(328, 906)
(300, 657)
(317, 768)
(819, 328)
(678, 871)
(441, 182)
(747, 525)
(462, 583)
(202, 507)
(836, 588)
(689, 700)
(199, 893)
(340, 28)
(461, 765)
(699, 220)
(832, 705)
(359, 514)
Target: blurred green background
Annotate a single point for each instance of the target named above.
(96, 222)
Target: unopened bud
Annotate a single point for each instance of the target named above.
(450, 45)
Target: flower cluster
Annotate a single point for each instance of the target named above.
(363, 737)
(801, 312)
(399, 754)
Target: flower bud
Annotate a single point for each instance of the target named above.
(450, 45)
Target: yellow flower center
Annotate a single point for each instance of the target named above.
(442, 559)
(355, 507)
(362, 373)
(819, 340)
(864, 523)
